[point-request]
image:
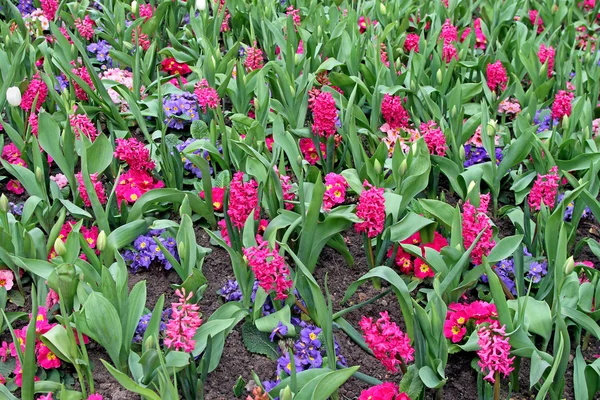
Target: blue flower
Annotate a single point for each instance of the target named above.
(280, 329)
(309, 335)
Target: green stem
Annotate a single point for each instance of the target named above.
(586, 341)
(371, 260)
(497, 386)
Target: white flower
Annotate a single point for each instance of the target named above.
(13, 95)
(200, 5)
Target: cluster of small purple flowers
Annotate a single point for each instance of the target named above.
(16, 209)
(145, 250)
(101, 50)
(231, 292)
(190, 166)
(63, 83)
(140, 330)
(477, 155)
(543, 119)
(308, 352)
(25, 7)
(180, 109)
(506, 271)
(586, 213)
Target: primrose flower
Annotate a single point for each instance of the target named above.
(6, 279)
(474, 221)
(183, 324)
(496, 76)
(280, 329)
(335, 190)
(393, 112)
(180, 110)
(172, 67)
(494, 351)
(307, 147)
(389, 344)
(15, 187)
(133, 184)
(37, 87)
(270, 269)
(455, 326)
(218, 195)
(243, 199)
(544, 189)
(371, 209)
(383, 391)
(46, 358)
(60, 179)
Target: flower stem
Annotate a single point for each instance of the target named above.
(301, 307)
(497, 386)
(371, 260)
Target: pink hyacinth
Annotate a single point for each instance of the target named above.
(535, 19)
(146, 11)
(49, 7)
(288, 193)
(547, 53)
(449, 52)
(480, 39)
(95, 396)
(243, 199)
(324, 114)
(389, 344)
(82, 73)
(474, 221)
(449, 32)
(434, 138)
(544, 189)
(207, 96)
(134, 153)
(335, 190)
(562, 104)
(496, 76)
(393, 112)
(494, 352)
(254, 58)
(33, 123)
(411, 43)
(37, 87)
(371, 209)
(97, 187)
(383, 391)
(85, 27)
(183, 323)
(271, 272)
(295, 13)
(81, 123)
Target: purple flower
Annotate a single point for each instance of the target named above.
(285, 364)
(101, 51)
(477, 155)
(143, 243)
(586, 213)
(25, 7)
(309, 335)
(180, 110)
(190, 166)
(543, 118)
(16, 209)
(537, 270)
(63, 83)
(280, 329)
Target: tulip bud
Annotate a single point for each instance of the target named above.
(378, 167)
(59, 247)
(181, 248)
(13, 96)
(134, 7)
(200, 5)
(118, 28)
(403, 167)
(299, 161)
(439, 75)
(149, 343)
(566, 122)
(588, 57)
(39, 175)
(413, 85)
(453, 112)
(471, 187)
(63, 280)
(382, 8)
(286, 394)
(461, 153)
(101, 241)
(569, 265)
(413, 148)
(4, 203)
(491, 128)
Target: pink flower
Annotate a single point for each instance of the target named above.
(544, 190)
(133, 184)
(46, 358)
(509, 107)
(134, 153)
(434, 138)
(146, 11)
(389, 344)
(449, 32)
(33, 123)
(82, 73)
(480, 39)
(81, 123)
(496, 76)
(324, 114)
(269, 267)
(52, 299)
(207, 96)
(140, 39)
(3, 380)
(97, 187)
(85, 27)
(37, 87)
(547, 54)
(4, 352)
(393, 112)
(494, 351)
(49, 7)
(454, 326)
(254, 58)
(295, 13)
(243, 199)
(183, 324)
(411, 43)
(288, 194)
(423, 270)
(6, 279)
(12, 154)
(95, 396)
(371, 209)
(449, 52)
(307, 147)
(218, 195)
(15, 187)
(383, 391)
(562, 104)
(474, 221)
(335, 190)
(535, 19)
(45, 397)
(60, 180)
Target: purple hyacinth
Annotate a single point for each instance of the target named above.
(543, 119)
(63, 83)
(25, 7)
(180, 110)
(16, 209)
(477, 155)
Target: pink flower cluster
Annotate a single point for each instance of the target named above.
(183, 323)
(480, 39)
(207, 96)
(371, 209)
(49, 7)
(307, 147)
(85, 27)
(459, 315)
(82, 73)
(243, 198)
(544, 190)
(12, 155)
(547, 53)
(411, 43)
(37, 87)
(494, 352)
(322, 105)
(562, 104)
(383, 391)
(474, 220)
(133, 153)
(254, 58)
(393, 112)
(98, 188)
(335, 190)
(434, 138)
(89, 234)
(496, 76)
(81, 123)
(271, 272)
(138, 179)
(409, 264)
(389, 344)
(262, 226)
(295, 13)
(450, 34)
(535, 19)
(33, 123)
(288, 193)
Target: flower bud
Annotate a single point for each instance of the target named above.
(101, 241)
(453, 112)
(413, 148)
(286, 394)
(438, 75)
(382, 8)
(471, 187)
(181, 248)
(569, 265)
(491, 128)
(403, 167)
(299, 161)
(59, 247)
(4, 203)
(461, 153)
(39, 175)
(13, 96)
(134, 7)
(565, 122)
(149, 343)
(63, 280)
(378, 167)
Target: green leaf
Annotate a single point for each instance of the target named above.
(411, 383)
(410, 224)
(258, 342)
(538, 318)
(321, 387)
(100, 155)
(430, 378)
(269, 322)
(504, 248)
(129, 384)
(104, 324)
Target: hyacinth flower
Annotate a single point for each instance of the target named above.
(494, 354)
(183, 323)
(371, 210)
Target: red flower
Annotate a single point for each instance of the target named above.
(15, 186)
(172, 67)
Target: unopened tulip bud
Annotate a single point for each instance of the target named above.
(377, 166)
(413, 148)
(181, 248)
(149, 343)
(13, 96)
(4, 203)
(64, 280)
(39, 175)
(566, 122)
(453, 112)
(439, 75)
(59, 247)
(491, 128)
(286, 394)
(134, 7)
(299, 161)
(461, 152)
(471, 187)
(403, 167)
(382, 8)
(569, 265)
(101, 241)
